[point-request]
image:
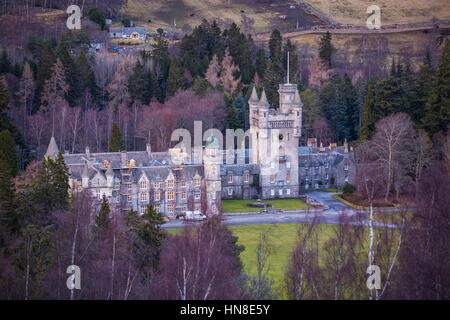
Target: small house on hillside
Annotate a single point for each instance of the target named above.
(128, 33)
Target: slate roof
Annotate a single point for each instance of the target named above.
(239, 169)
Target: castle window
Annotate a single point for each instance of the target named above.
(288, 191)
(156, 206)
(272, 192)
(230, 192)
(170, 195)
(280, 192)
(183, 183)
(129, 197)
(346, 167)
(197, 182)
(144, 196)
(272, 178)
(170, 183)
(157, 185)
(116, 185)
(129, 186)
(230, 178)
(171, 208)
(214, 195)
(183, 195)
(288, 164)
(143, 210)
(197, 194)
(288, 177)
(143, 184)
(157, 195)
(99, 195)
(246, 177)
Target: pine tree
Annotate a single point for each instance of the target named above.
(156, 88)
(175, 81)
(422, 90)
(272, 78)
(275, 46)
(261, 62)
(326, 49)
(44, 72)
(8, 152)
(138, 84)
(70, 71)
(26, 92)
(437, 112)
(96, 15)
(116, 143)
(147, 236)
(8, 216)
(5, 63)
(102, 219)
(87, 80)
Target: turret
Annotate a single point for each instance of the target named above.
(52, 149)
(263, 106)
(85, 177)
(109, 176)
(253, 103)
(297, 105)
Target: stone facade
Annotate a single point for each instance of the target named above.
(274, 166)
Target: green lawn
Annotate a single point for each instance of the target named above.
(283, 238)
(242, 205)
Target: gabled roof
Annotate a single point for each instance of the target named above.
(128, 31)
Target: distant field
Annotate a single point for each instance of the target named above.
(392, 11)
(266, 13)
(242, 205)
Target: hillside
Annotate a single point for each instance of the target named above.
(266, 14)
(392, 11)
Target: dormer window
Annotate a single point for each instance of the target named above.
(143, 184)
(170, 183)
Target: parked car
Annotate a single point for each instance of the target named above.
(195, 215)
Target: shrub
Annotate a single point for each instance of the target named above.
(348, 189)
(96, 15)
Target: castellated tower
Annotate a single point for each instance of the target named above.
(212, 160)
(275, 139)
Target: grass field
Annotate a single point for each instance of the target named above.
(395, 45)
(283, 237)
(242, 205)
(392, 11)
(265, 13)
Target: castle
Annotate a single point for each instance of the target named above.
(274, 166)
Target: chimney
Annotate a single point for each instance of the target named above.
(88, 153)
(123, 158)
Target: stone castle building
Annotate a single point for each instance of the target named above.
(274, 166)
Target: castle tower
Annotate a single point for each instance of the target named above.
(275, 141)
(212, 160)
